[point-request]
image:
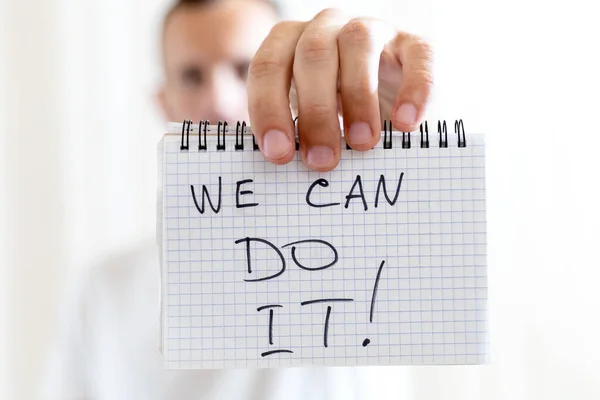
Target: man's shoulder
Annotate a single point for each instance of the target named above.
(140, 254)
(136, 263)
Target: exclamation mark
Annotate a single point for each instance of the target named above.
(374, 296)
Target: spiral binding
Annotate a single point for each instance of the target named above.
(240, 130)
(443, 139)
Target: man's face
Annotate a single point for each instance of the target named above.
(207, 50)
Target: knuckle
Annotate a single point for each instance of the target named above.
(421, 51)
(357, 91)
(315, 47)
(265, 64)
(423, 77)
(420, 57)
(317, 111)
(357, 31)
(427, 79)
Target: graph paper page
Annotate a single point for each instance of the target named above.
(276, 266)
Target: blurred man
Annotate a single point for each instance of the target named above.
(232, 60)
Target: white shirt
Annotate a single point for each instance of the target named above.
(109, 348)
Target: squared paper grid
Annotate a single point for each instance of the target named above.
(431, 303)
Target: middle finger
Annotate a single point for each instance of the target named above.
(316, 67)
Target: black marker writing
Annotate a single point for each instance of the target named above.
(382, 184)
(326, 330)
(335, 254)
(305, 303)
(249, 261)
(280, 255)
(270, 307)
(242, 193)
(327, 315)
(356, 191)
(271, 326)
(366, 342)
(205, 192)
(323, 183)
(268, 353)
(375, 291)
(350, 196)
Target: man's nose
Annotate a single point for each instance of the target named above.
(227, 95)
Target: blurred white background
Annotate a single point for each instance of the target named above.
(78, 165)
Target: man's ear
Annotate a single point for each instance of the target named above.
(161, 99)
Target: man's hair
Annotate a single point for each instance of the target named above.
(274, 4)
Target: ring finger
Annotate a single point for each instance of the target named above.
(361, 42)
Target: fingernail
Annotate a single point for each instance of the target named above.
(360, 133)
(276, 144)
(319, 156)
(406, 114)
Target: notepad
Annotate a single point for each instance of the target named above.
(381, 261)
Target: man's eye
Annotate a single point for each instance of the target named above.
(242, 69)
(192, 77)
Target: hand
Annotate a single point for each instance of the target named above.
(361, 69)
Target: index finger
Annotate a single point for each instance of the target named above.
(269, 79)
